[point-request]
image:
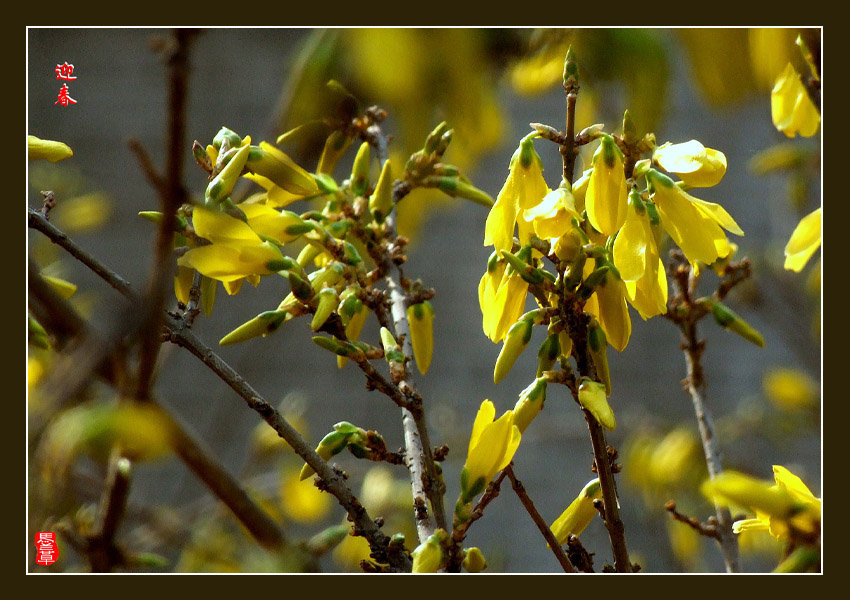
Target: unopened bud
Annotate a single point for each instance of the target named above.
(381, 201)
(592, 397)
(530, 403)
(262, 325)
(328, 301)
(515, 342)
(598, 344)
(360, 170)
(222, 184)
(727, 319)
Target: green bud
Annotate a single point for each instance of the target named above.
(576, 271)
(338, 347)
(225, 133)
(526, 271)
(381, 201)
(549, 352)
(360, 170)
(331, 445)
(328, 302)
(201, 157)
(325, 183)
(325, 541)
(37, 336)
(262, 325)
(351, 255)
(470, 192)
(727, 319)
(570, 68)
(433, 139)
(300, 287)
(629, 130)
(392, 351)
(594, 280)
(515, 342)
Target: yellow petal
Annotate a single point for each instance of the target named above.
(606, 198)
(695, 164)
(221, 228)
(804, 242)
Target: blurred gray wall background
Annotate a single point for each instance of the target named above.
(235, 81)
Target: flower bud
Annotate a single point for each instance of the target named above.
(578, 514)
(360, 170)
(335, 146)
(530, 403)
(429, 556)
(515, 342)
(592, 397)
(328, 302)
(381, 201)
(473, 560)
(433, 139)
(234, 141)
(271, 163)
(222, 184)
(421, 320)
(262, 325)
(52, 151)
(727, 319)
(549, 352)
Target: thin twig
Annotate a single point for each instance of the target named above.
(685, 314)
(172, 195)
(425, 483)
(541, 524)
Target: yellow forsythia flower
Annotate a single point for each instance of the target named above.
(609, 306)
(791, 107)
(605, 200)
(48, 149)
(524, 188)
(492, 445)
(804, 242)
(797, 507)
(787, 504)
(269, 162)
(553, 217)
(695, 164)
(638, 260)
(695, 225)
(501, 296)
(578, 515)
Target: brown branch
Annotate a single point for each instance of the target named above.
(685, 313)
(459, 531)
(425, 483)
(172, 195)
(538, 520)
(707, 529)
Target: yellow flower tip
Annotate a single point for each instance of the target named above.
(791, 108)
(731, 487)
(804, 242)
(696, 165)
(530, 403)
(429, 556)
(47, 149)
